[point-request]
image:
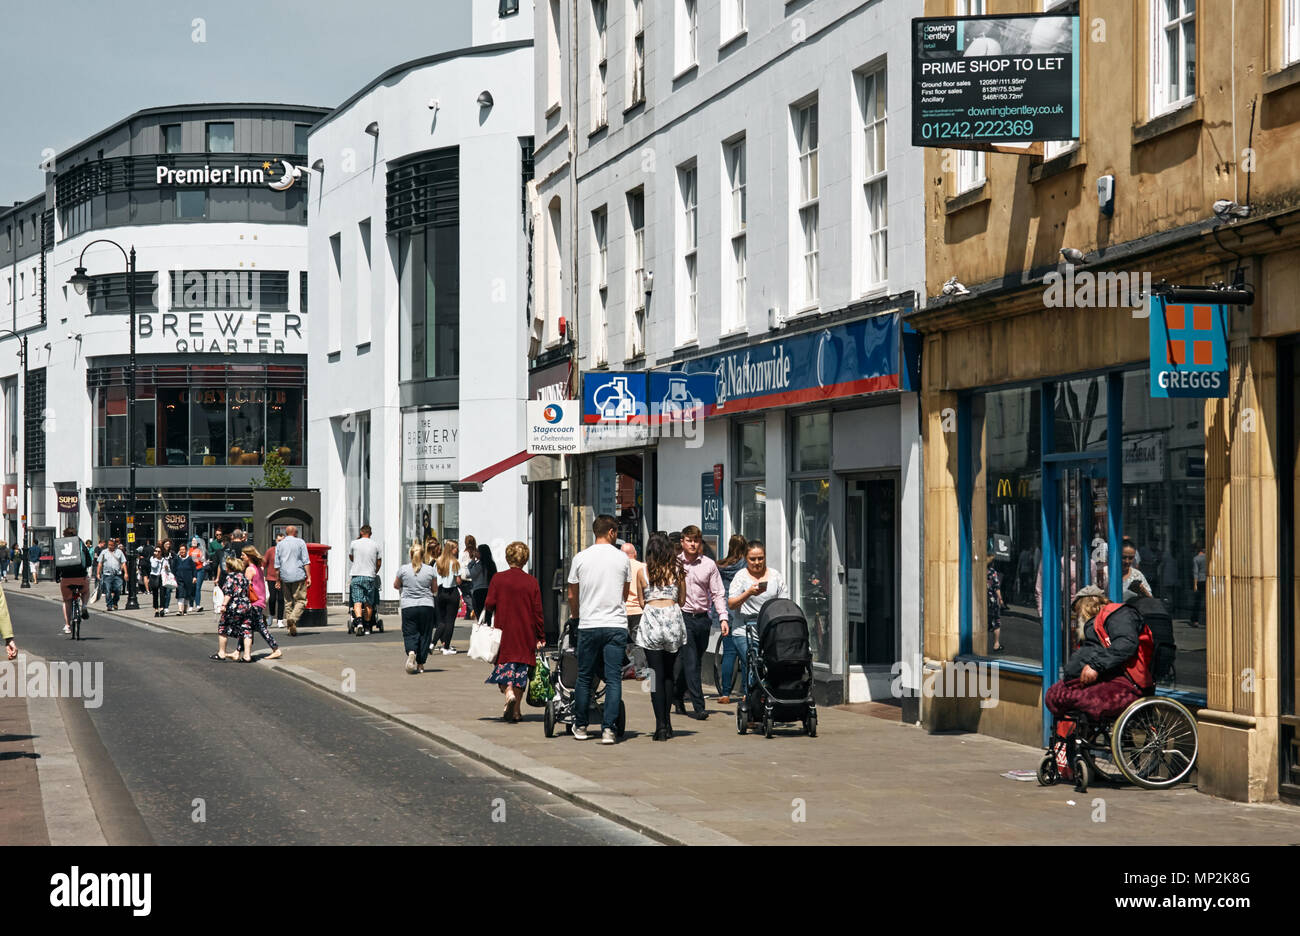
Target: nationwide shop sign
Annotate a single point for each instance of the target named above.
(220, 332)
(844, 360)
(553, 428)
(1189, 349)
(430, 445)
(979, 80)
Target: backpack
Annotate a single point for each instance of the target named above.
(1154, 660)
(69, 556)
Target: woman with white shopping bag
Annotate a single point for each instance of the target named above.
(514, 605)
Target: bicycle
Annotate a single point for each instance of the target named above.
(77, 612)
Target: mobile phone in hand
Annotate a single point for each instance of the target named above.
(762, 586)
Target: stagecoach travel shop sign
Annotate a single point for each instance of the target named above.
(995, 79)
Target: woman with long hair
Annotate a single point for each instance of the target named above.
(236, 613)
(663, 629)
(416, 581)
(727, 568)
(448, 600)
(514, 599)
(466, 586)
(186, 575)
(489, 567)
(253, 561)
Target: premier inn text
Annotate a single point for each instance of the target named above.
(231, 175)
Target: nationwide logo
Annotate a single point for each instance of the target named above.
(552, 414)
(743, 377)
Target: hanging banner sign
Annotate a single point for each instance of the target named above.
(1189, 349)
(69, 502)
(553, 428)
(995, 79)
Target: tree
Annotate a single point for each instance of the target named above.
(274, 474)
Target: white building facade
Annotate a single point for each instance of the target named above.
(208, 199)
(419, 257)
(726, 193)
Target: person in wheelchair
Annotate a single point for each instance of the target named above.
(1112, 667)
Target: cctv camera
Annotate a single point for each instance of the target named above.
(70, 336)
(433, 104)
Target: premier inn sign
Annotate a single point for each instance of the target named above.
(228, 175)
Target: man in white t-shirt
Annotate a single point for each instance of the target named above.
(599, 580)
(364, 554)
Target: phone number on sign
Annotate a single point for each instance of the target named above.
(966, 129)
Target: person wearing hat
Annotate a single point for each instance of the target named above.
(1100, 678)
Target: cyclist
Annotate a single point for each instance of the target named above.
(70, 576)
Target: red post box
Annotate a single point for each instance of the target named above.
(318, 556)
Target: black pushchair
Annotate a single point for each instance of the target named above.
(780, 674)
(563, 663)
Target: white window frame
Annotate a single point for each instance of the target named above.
(600, 285)
(688, 31)
(636, 266)
(636, 53)
(735, 224)
(554, 66)
(1161, 28)
(873, 83)
(805, 196)
(733, 20)
(1290, 32)
(600, 64)
(688, 254)
(1055, 148)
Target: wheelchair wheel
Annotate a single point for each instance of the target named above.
(1154, 742)
(1101, 760)
(1082, 774)
(1047, 772)
(548, 719)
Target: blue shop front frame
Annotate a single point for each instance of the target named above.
(1106, 464)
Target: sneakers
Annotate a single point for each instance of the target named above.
(279, 623)
(580, 733)
(67, 629)
(410, 661)
(607, 736)
(449, 651)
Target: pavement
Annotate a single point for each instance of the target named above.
(867, 778)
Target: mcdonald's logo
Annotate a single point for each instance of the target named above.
(1004, 487)
(1022, 487)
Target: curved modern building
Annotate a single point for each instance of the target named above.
(212, 200)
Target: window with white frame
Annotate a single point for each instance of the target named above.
(600, 64)
(970, 165)
(636, 263)
(636, 52)
(688, 229)
(807, 277)
(1054, 148)
(1290, 32)
(1173, 54)
(599, 284)
(733, 19)
(553, 55)
(873, 99)
(733, 290)
(687, 31)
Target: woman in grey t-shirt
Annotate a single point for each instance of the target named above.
(415, 582)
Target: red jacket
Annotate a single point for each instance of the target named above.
(515, 599)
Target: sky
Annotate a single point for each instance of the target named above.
(75, 67)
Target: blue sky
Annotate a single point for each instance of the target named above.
(74, 67)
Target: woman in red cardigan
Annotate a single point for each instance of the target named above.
(515, 600)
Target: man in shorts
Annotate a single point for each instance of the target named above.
(68, 577)
(366, 560)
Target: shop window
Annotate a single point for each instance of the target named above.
(247, 424)
(751, 480)
(110, 426)
(284, 425)
(146, 426)
(1164, 512)
(810, 523)
(1006, 523)
(1080, 407)
(208, 426)
(220, 138)
(430, 302)
(191, 204)
(173, 426)
(429, 510)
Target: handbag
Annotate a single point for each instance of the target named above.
(484, 643)
(540, 688)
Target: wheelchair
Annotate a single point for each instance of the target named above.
(1152, 744)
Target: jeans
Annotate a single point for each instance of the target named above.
(597, 644)
(417, 631)
(735, 652)
(690, 657)
(112, 588)
(199, 573)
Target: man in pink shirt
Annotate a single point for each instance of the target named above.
(703, 587)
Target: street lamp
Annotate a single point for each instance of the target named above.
(80, 281)
(22, 354)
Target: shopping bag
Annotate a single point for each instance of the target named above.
(484, 643)
(540, 689)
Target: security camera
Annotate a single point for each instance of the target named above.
(433, 103)
(71, 336)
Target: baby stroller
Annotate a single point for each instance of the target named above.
(780, 675)
(563, 664)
